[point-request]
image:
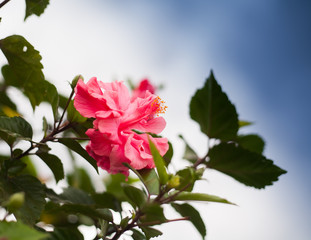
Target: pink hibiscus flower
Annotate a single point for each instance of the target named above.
(112, 140)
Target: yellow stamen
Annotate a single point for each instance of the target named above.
(158, 106)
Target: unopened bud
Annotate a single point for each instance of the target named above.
(16, 201)
(75, 81)
(174, 181)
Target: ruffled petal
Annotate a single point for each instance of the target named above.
(88, 99)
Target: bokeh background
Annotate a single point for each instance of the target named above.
(261, 55)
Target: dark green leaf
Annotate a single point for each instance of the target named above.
(36, 7)
(251, 142)
(153, 212)
(79, 129)
(77, 196)
(211, 108)
(62, 101)
(15, 166)
(189, 196)
(124, 222)
(9, 76)
(15, 128)
(24, 63)
(247, 167)
(19, 231)
(150, 180)
(7, 107)
(137, 196)
(76, 147)
(65, 234)
(169, 154)
(79, 178)
(159, 162)
(87, 210)
(137, 235)
(188, 177)
(54, 163)
(73, 115)
(187, 210)
(151, 232)
(30, 168)
(34, 196)
(106, 200)
(51, 96)
(114, 185)
(189, 153)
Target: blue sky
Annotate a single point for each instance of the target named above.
(260, 54)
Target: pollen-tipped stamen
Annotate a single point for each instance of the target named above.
(158, 106)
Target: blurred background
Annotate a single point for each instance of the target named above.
(261, 56)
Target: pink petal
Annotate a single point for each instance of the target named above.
(99, 142)
(116, 94)
(87, 100)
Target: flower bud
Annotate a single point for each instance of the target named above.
(16, 201)
(174, 181)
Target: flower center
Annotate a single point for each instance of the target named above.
(158, 106)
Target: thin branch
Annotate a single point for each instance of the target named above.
(171, 197)
(67, 104)
(159, 222)
(3, 3)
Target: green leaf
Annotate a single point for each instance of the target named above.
(76, 147)
(151, 232)
(73, 115)
(189, 196)
(187, 210)
(30, 168)
(251, 142)
(75, 196)
(51, 96)
(45, 126)
(34, 196)
(124, 222)
(15, 166)
(87, 210)
(24, 63)
(249, 168)
(153, 212)
(9, 76)
(106, 200)
(211, 108)
(7, 107)
(150, 179)
(189, 153)
(114, 185)
(54, 163)
(65, 234)
(79, 178)
(36, 7)
(137, 196)
(19, 231)
(168, 155)
(159, 163)
(15, 128)
(137, 235)
(187, 177)
(243, 123)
